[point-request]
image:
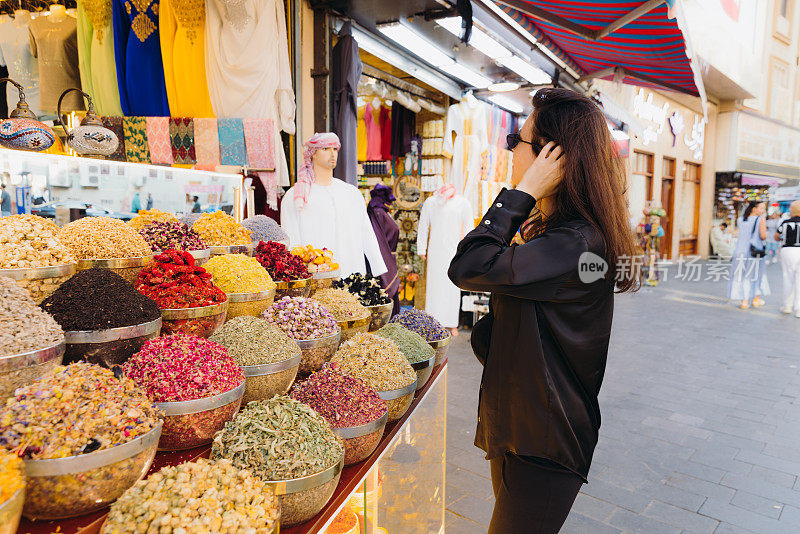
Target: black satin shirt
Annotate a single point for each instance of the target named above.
(549, 338)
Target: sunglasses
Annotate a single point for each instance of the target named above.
(514, 139)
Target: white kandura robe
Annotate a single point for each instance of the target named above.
(335, 218)
(469, 121)
(247, 67)
(446, 222)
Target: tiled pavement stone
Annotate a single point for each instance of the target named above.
(701, 421)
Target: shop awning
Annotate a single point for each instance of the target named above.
(640, 42)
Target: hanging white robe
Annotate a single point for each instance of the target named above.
(446, 222)
(23, 68)
(247, 66)
(335, 218)
(469, 122)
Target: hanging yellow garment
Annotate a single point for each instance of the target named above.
(182, 28)
(361, 135)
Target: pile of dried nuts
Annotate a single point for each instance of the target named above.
(103, 237)
(199, 496)
(29, 241)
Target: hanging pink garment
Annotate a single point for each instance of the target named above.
(206, 144)
(158, 140)
(373, 134)
(386, 133)
(259, 144)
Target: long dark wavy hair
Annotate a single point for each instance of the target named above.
(593, 187)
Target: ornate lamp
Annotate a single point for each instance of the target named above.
(90, 139)
(23, 130)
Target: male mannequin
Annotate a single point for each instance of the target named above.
(324, 212)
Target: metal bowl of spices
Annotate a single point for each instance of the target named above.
(270, 379)
(249, 303)
(294, 288)
(201, 321)
(191, 423)
(351, 327)
(325, 280)
(11, 512)
(21, 369)
(77, 485)
(361, 441)
(40, 282)
(440, 346)
(316, 352)
(380, 315)
(303, 498)
(219, 250)
(424, 370)
(398, 400)
(109, 347)
(127, 268)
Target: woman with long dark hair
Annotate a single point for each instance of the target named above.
(748, 281)
(544, 343)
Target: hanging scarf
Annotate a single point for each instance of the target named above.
(206, 144)
(259, 142)
(181, 131)
(136, 150)
(305, 176)
(231, 142)
(158, 141)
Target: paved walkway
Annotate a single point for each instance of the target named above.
(701, 421)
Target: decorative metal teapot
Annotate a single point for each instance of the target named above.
(91, 139)
(23, 130)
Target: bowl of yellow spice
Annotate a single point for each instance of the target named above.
(223, 234)
(12, 492)
(247, 283)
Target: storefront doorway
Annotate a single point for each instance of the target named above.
(668, 203)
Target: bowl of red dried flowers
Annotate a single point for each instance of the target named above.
(184, 291)
(286, 269)
(355, 411)
(193, 381)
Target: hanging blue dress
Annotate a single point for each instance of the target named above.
(137, 47)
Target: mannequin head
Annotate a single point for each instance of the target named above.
(57, 11)
(324, 161)
(22, 15)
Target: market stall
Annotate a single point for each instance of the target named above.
(157, 375)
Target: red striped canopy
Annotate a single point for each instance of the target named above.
(652, 45)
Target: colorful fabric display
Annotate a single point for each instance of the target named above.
(181, 132)
(136, 149)
(259, 143)
(231, 142)
(158, 140)
(206, 144)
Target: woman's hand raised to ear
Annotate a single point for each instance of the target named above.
(542, 178)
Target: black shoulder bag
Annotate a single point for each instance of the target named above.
(755, 251)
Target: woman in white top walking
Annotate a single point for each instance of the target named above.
(749, 277)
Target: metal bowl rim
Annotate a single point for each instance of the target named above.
(294, 485)
(297, 283)
(13, 498)
(380, 307)
(424, 364)
(437, 343)
(74, 337)
(196, 312)
(115, 263)
(355, 323)
(252, 296)
(392, 394)
(230, 249)
(40, 273)
(33, 357)
(316, 342)
(93, 460)
(203, 404)
(348, 432)
(326, 275)
(266, 369)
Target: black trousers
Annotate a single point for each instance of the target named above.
(532, 495)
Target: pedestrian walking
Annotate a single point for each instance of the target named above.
(748, 281)
(545, 342)
(149, 201)
(5, 201)
(788, 235)
(136, 203)
(773, 245)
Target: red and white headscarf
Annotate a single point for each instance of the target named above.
(305, 176)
